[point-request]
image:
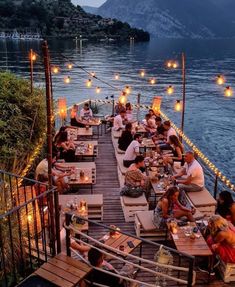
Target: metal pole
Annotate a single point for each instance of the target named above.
(31, 69)
(183, 92)
(216, 186)
(138, 107)
(49, 136)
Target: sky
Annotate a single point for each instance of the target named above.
(93, 3)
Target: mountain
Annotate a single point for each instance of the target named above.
(89, 9)
(62, 19)
(176, 19)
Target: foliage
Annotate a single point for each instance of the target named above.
(22, 121)
(60, 18)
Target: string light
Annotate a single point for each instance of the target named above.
(169, 64)
(93, 74)
(116, 77)
(70, 66)
(127, 90)
(55, 70)
(170, 90)
(228, 92)
(220, 80)
(122, 99)
(178, 106)
(98, 90)
(67, 80)
(152, 81)
(142, 73)
(175, 65)
(89, 83)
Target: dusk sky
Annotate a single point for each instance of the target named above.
(93, 3)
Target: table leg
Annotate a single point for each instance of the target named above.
(210, 266)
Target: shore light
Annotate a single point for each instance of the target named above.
(55, 70)
(67, 80)
(169, 64)
(127, 90)
(220, 80)
(142, 73)
(170, 90)
(98, 90)
(175, 65)
(178, 106)
(152, 81)
(228, 92)
(88, 83)
(116, 76)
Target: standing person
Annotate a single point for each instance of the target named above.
(132, 151)
(118, 123)
(86, 112)
(194, 180)
(75, 121)
(126, 138)
(129, 115)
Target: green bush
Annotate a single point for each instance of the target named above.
(22, 121)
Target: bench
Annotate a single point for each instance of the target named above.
(227, 271)
(116, 134)
(131, 205)
(94, 204)
(203, 201)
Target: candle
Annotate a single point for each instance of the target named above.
(86, 178)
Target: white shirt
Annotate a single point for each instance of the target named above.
(171, 132)
(118, 123)
(86, 114)
(195, 170)
(132, 150)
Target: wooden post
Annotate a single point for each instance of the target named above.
(31, 69)
(183, 92)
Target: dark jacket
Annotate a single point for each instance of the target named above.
(125, 140)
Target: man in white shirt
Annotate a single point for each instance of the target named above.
(132, 150)
(86, 112)
(194, 180)
(118, 121)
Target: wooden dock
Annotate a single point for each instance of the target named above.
(107, 184)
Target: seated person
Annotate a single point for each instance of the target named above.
(96, 258)
(74, 119)
(86, 112)
(126, 138)
(129, 115)
(222, 238)
(66, 147)
(194, 180)
(169, 207)
(224, 204)
(132, 150)
(168, 132)
(152, 114)
(150, 124)
(177, 150)
(135, 178)
(118, 123)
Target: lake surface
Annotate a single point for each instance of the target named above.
(210, 117)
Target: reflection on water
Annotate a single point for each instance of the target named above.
(210, 119)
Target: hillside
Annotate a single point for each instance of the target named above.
(176, 19)
(60, 18)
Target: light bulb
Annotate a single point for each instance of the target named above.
(89, 83)
(178, 106)
(228, 92)
(170, 90)
(67, 80)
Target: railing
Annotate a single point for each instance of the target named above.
(29, 226)
(177, 270)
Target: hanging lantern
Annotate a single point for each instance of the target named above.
(220, 80)
(55, 70)
(156, 105)
(67, 80)
(127, 90)
(116, 77)
(98, 89)
(228, 92)
(123, 98)
(178, 106)
(70, 66)
(152, 81)
(170, 90)
(62, 108)
(89, 83)
(142, 73)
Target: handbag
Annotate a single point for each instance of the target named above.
(132, 191)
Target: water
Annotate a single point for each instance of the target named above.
(209, 119)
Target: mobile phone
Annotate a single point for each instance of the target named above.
(130, 244)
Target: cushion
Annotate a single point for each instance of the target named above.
(130, 201)
(146, 220)
(122, 168)
(202, 198)
(120, 151)
(116, 134)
